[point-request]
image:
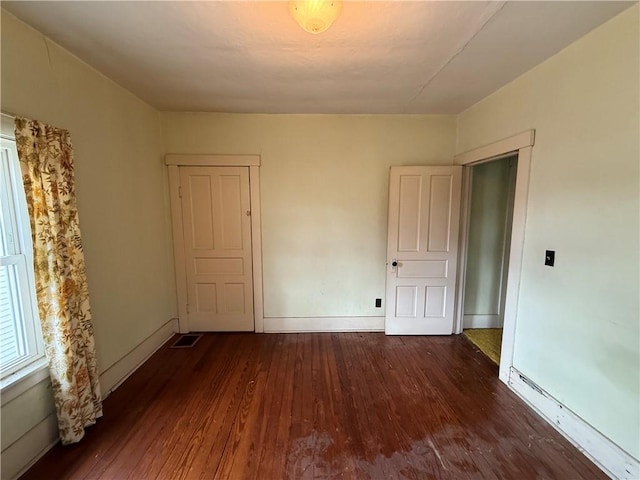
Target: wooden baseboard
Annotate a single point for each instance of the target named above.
(117, 373)
(610, 458)
(323, 324)
(481, 321)
(28, 449)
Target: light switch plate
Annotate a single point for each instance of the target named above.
(550, 258)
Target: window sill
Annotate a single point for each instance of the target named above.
(16, 384)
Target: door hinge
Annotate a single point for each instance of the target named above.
(180, 192)
(248, 213)
(188, 309)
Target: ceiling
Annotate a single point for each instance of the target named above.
(395, 57)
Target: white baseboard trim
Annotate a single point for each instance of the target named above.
(610, 458)
(481, 321)
(323, 324)
(29, 448)
(117, 373)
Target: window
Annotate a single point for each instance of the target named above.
(21, 346)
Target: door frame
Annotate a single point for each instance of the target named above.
(173, 163)
(522, 145)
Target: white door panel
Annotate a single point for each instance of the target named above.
(424, 213)
(217, 234)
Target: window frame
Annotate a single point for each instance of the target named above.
(33, 367)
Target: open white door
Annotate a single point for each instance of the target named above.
(217, 246)
(422, 250)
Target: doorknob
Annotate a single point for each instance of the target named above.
(394, 263)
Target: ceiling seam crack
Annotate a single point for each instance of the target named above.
(458, 52)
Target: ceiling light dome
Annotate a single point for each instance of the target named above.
(315, 16)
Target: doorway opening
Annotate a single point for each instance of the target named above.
(488, 240)
(520, 145)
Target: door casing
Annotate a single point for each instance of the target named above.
(522, 145)
(173, 162)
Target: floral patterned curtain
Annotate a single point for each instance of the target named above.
(46, 158)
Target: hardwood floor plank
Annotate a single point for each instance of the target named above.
(102, 441)
(160, 418)
(263, 432)
(166, 451)
(274, 459)
(224, 396)
(148, 418)
(239, 455)
(317, 406)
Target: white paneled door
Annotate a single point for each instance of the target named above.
(422, 250)
(217, 239)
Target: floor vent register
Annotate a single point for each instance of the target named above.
(186, 341)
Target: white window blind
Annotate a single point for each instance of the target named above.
(11, 331)
(9, 348)
(20, 335)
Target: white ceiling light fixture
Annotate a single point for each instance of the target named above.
(315, 16)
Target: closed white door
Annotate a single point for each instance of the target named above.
(217, 239)
(422, 250)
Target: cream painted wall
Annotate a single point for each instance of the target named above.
(577, 332)
(324, 194)
(485, 247)
(120, 183)
(324, 182)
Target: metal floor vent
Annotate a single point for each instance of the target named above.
(186, 341)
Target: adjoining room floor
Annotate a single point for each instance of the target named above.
(305, 406)
(488, 340)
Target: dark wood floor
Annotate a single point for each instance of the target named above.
(365, 406)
